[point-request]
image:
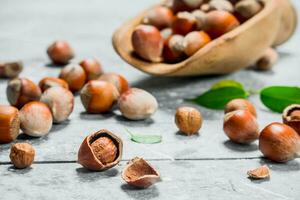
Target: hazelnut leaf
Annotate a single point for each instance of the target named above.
(145, 139)
(277, 98)
(227, 83)
(218, 98)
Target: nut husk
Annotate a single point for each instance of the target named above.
(87, 156)
(140, 173)
(289, 119)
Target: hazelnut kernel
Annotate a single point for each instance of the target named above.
(279, 142)
(10, 69)
(48, 82)
(241, 126)
(188, 120)
(105, 150)
(10, 123)
(147, 43)
(98, 96)
(248, 8)
(60, 101)
(184, 23)
(92, 68)
(194, 41)
(36, 119)
(137, 104)
(117, 80)
(160, 17)
(268, 60)
(60, 52)
(240, 104)
(74, 75)
(20, 91)
(22, 155)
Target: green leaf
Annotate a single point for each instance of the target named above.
(277, 98)
(145, 139)
(218, 98)
(227, 83)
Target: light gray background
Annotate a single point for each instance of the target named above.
(207, 166)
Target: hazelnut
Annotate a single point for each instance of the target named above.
(205, 7)
(186, 5)
(241, 126)
(147, 42)
(10, 69)
(268, 60)
(221, 5)
(22, 155)
(188, 120)
(166, 33)
(248, 8)
(98, 96)
(259, 173)
(240, 104)
(36, 119)
(60, 101)
(92, 68)
(60, 52)
(200, 18)
(48, 82)
(160, 17)
(117, 80)
(219, 22)
(74, 75)
(194, 41)
(291, 116)
(100, 151)
(184, 23)
(279, 142)
(173, 49)
(10, 123)
(20, 91)
(140, 173)
(137, 104)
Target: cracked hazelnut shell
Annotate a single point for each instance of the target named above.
(10, 123)
(140, 173)
(20, 91)
(291, 117)
(279, 142)
(74, 75)
(259, 173)
(117, 80)
(240, 104)
(60, 52)
(100, 151)
(48, 82)
(92, 68)
(22, 155)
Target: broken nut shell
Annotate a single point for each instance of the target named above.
(291, 117)
(259, 173)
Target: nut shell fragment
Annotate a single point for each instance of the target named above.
(259, 173)
(140, 173)
(89, 155)
(291, 117)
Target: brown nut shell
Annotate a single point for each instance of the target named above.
(89, 158)
(10, 69)
(74, 75)
(140, 173)
(279, 142)
(160, 17)
(259, 173)
(48, 82)
(117, 80)
(291, 117)
(240, 104)
(22, 155)
(20, 91)
(10, 123)
(92, 68)
(60, 52)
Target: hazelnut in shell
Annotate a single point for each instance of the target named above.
(291, 116)
(20, 91)
(117, 80)
(36, 119)
(267, 60)
(241, 126)
(22, 155)
(240, 104)
(188, 120)
(48, 82)
(173, 49)
(74, 75)
(10, 69)
(248, 8)
(9, 123)
(137, 104)
(279, 142)
(60, 52)
(98, 96)
(184, 23)
(92, 68)
(60, 101)
(186, 5)
(100, 151)
(221, 5)
(159, 16)
(194, 41)
(139, 173)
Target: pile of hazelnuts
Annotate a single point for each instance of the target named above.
(35, 107)
(177, 29)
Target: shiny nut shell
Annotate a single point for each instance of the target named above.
(117, 80)
(294, 123)
(140, 173)
(10, 123)
(48, 82)
(86, 156)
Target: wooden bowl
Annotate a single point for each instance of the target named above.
(232, 51)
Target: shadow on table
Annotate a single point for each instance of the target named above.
(240, 147)
(90, 176)
(19, 171)
(136, 193)
(292, 165)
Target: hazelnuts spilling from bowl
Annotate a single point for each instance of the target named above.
(198, 22)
